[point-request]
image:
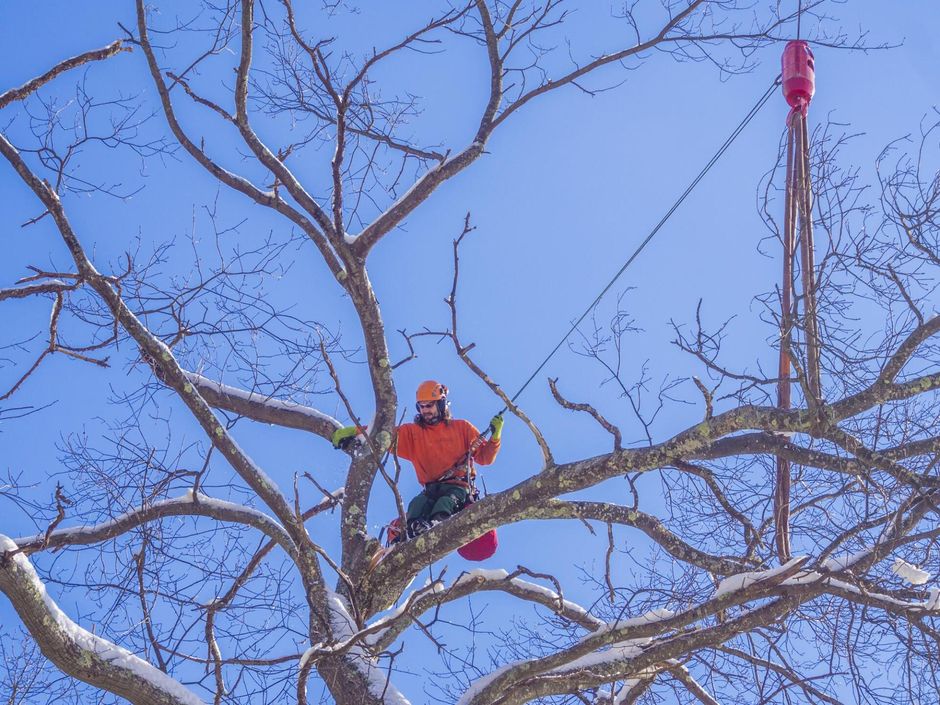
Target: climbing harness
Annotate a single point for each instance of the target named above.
(463, 474)
(799, 78)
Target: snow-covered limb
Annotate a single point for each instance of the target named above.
(382, 632)
(908, 572)
(862, 594)
(345, 632)
(608, 652)
(189, 504)
(889, 603)
(740, 581)
(473, 581)
(627, 693)
(509, 582)
(372, 635)
(789, 575)
(76, 651)
(50, 286)
(579, 657)
(263, 408)
(932, 603)
(681, 674)
(531, 679)
(846, 560)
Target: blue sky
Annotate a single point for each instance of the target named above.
(570, 186)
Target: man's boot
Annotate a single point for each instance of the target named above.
(416, 527)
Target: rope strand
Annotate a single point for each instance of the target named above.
(711, 162)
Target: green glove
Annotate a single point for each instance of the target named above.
(496, 425)
(343, 437)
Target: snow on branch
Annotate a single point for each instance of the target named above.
(604, 647)
(864, 594)
(346, 636)
(908, 572)
(259, 407)
(789, 575)
(474, 581)
(626, 694)
(190, 504)
(77, 651)
(845, 561)
(382, 632)
(733, 583)
(682, 674)
(501, 580)
(608, 651)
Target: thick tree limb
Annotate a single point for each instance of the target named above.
(258, 407)
(189, 504)
(76, 651)
(35, 84)
(22, 292)
(648, 524)
(640, 643)
(382, 634)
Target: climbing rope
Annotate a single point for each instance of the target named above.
(798, 88)
(711, 162)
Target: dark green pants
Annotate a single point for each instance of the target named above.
(438, 498)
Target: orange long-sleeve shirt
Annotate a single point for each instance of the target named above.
(434, 449)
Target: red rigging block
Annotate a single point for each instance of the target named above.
(394, 530)
(480, 548)
(799, 74)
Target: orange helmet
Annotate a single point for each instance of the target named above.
(430, 390)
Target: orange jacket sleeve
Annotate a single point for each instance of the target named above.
(404, 443)
(486, 453)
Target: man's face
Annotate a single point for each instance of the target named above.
(428, 411)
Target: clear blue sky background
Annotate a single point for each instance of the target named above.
(570, 186)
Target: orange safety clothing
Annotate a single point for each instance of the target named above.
(434, 450)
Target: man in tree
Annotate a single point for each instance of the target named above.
(442, 450)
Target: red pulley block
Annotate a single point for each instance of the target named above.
(799, 75)
(394, 531)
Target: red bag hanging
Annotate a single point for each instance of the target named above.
(480, 548)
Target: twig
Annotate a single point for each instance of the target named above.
(462, 351)
(609, 427)
(35, 84)
(376, 452)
